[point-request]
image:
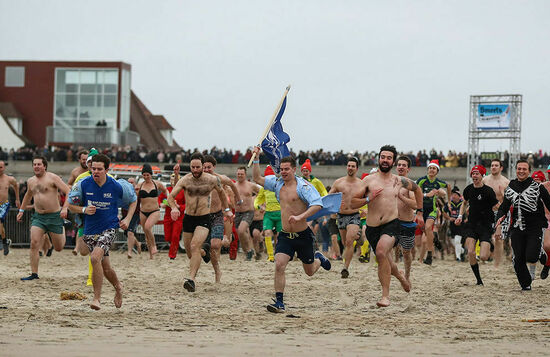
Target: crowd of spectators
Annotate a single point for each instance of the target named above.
(317, 157)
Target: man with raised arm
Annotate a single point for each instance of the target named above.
(48, 215)
(299, 200)
(5, 183)
(196, 223)
(381, 193)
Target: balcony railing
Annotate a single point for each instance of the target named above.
(100, 137)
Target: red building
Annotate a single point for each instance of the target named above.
(82, 103)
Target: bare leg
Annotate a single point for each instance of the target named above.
(37, 237)
(350, 234)
(215, 253)
(130, 240)
(244, 236)
(281, 261)
(499, 247)
(110, 274)
(335, 246)
(97, 276)
(197, 241)
(383, 251)
(148, 223)
(407, 260)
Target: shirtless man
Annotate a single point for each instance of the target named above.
(381, 193)
(299, 200)
(5, 183)
(405, 208)
(80, 169)
(245, 211)
(48, 215)
(196, 223)
(217, 238)
(348, 219)
(498, 183)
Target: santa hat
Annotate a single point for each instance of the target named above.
(480, 168)
(434, 163)
(364, 175)
(269, 171)
(306, 165)
(540, 175)
(93, 152)
(548, 169)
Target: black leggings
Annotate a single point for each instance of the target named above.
(527, 246)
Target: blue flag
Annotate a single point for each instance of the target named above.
(274, 144)
(331, 204)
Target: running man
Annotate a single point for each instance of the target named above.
(5, 183)
(529, 199)
(272, 216)
(245, 211)
(381, 193)
(196, 223)
(82, 157)
(299, 200)
(48, 215)
(405, 208)
(481, 200)
(349, 220)
(498, 183)
(217, 214)
(98, 198)
(431, 187)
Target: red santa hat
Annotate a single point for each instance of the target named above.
(434, 163)
(364, 175)
(269, 171)
(479, 168)
(306, 165)
(540, 175)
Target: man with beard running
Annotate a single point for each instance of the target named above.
(381, 194)
(528, 199)
(498, 183)
(196, 223)
(82, 156)
(217, 214)
(348, 219)
(481, 200)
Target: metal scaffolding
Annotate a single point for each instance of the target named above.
(511, 132)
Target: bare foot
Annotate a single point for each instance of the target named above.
(384, 302)
(118, 296)
(404, 282)
(129, 256)
(138, 247)
(153, 251)
(95, 305)
(218, 276)
(75, 252)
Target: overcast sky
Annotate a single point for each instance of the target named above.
(363, 73)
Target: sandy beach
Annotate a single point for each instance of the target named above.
(444, 314)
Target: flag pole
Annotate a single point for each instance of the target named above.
(270, 123)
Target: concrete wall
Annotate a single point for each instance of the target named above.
(327, 174)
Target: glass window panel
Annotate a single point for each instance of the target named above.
(62, 110)
(88, 88)
(70, 100)
(109, 113)
(88, 77)
(110, 88)
(87, 100)
(71, 77)
(109, 100)
(111, 77)
(60, 80)
(14, 76)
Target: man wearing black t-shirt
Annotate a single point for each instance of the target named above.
(481, 199)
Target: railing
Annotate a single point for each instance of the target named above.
(91, 136)
(19, 232)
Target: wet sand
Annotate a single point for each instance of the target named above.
(444, 314)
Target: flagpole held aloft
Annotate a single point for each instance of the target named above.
(270, 124)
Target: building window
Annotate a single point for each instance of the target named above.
(86, 96)
(15, 77)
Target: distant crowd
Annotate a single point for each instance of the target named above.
(224, 156)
